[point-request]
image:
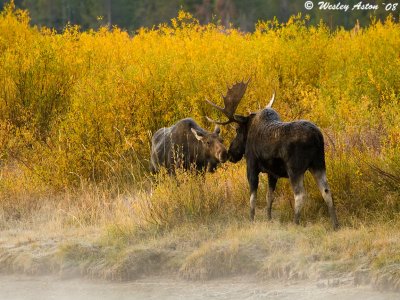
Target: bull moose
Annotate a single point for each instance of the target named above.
(186, 144)
(280, 149)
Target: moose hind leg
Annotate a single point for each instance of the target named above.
(297, 183)
(323, 186)
(270, 195)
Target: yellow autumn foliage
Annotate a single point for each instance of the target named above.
(83, 105)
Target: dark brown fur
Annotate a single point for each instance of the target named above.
(179, 146)
(281, 149)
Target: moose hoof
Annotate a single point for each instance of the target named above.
(252, 213)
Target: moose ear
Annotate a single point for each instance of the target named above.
(197, 134)
(217, 130)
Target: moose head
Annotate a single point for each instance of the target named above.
(231, 101)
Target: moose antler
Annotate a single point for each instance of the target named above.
(231, 101)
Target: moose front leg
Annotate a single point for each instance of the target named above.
(252, 177)
(272, 180)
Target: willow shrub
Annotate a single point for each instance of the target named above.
(82, 105)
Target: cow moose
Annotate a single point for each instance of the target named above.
(186, 144)
(280, 149)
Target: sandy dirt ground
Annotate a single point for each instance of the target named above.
(46, 288)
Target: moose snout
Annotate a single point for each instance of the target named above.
(232, 159)
(223, 156)
(233, 156)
